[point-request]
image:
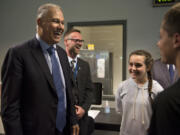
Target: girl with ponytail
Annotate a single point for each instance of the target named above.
(135, 95)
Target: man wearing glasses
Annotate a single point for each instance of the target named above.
(81, 78)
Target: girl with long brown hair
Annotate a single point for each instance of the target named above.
(135, 95)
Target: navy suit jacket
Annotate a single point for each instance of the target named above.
(29, 98)
(160, 73)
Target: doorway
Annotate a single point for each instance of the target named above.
(107, 37)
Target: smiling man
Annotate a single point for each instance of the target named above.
(36, 87)
(82, 89)
(166, 114)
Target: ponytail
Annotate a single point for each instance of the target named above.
(150, 86)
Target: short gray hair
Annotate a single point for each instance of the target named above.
(43, 9)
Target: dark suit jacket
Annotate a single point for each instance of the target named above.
(160, 73)
(84, 84)
(29, 98)
(83, 88)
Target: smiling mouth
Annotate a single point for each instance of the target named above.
(77, 46)
(134, 73)
(58, 32)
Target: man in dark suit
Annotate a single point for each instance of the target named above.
(160, 73)
(81, 77)
(31, 103)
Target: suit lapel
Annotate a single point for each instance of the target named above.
(38, 55)
(64, 63)
(176, 77)
(79, 68)
(166, 74)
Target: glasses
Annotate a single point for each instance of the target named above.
(76, 40)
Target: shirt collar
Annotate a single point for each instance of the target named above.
(145, 86)
(70, 59)
(43, 44)
(173, 66)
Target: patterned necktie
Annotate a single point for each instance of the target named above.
(75, 89)
(61, 111)
(171, 72)
(72, 65)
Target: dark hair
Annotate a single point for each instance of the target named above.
(171, 20)
(68, 32)
(148, 62)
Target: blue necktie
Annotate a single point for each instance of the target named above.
(61, 112)
(171, 72)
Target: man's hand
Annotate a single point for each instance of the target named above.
(79, 111)
(75, 129)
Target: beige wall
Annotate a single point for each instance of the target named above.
(107, 38)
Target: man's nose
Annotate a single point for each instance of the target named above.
(158, 42)
(61, 25)
(79, 43)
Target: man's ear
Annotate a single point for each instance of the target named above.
(39, 22)
(176, 40)
(65, 42)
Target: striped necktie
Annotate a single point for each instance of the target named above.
(73, 65)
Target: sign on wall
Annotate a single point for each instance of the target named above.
(158, 3)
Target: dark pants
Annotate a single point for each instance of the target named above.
(66, 131)
(86, 125)
(58, 132)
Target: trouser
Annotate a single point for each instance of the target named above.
(58, 132)
(86, 125)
